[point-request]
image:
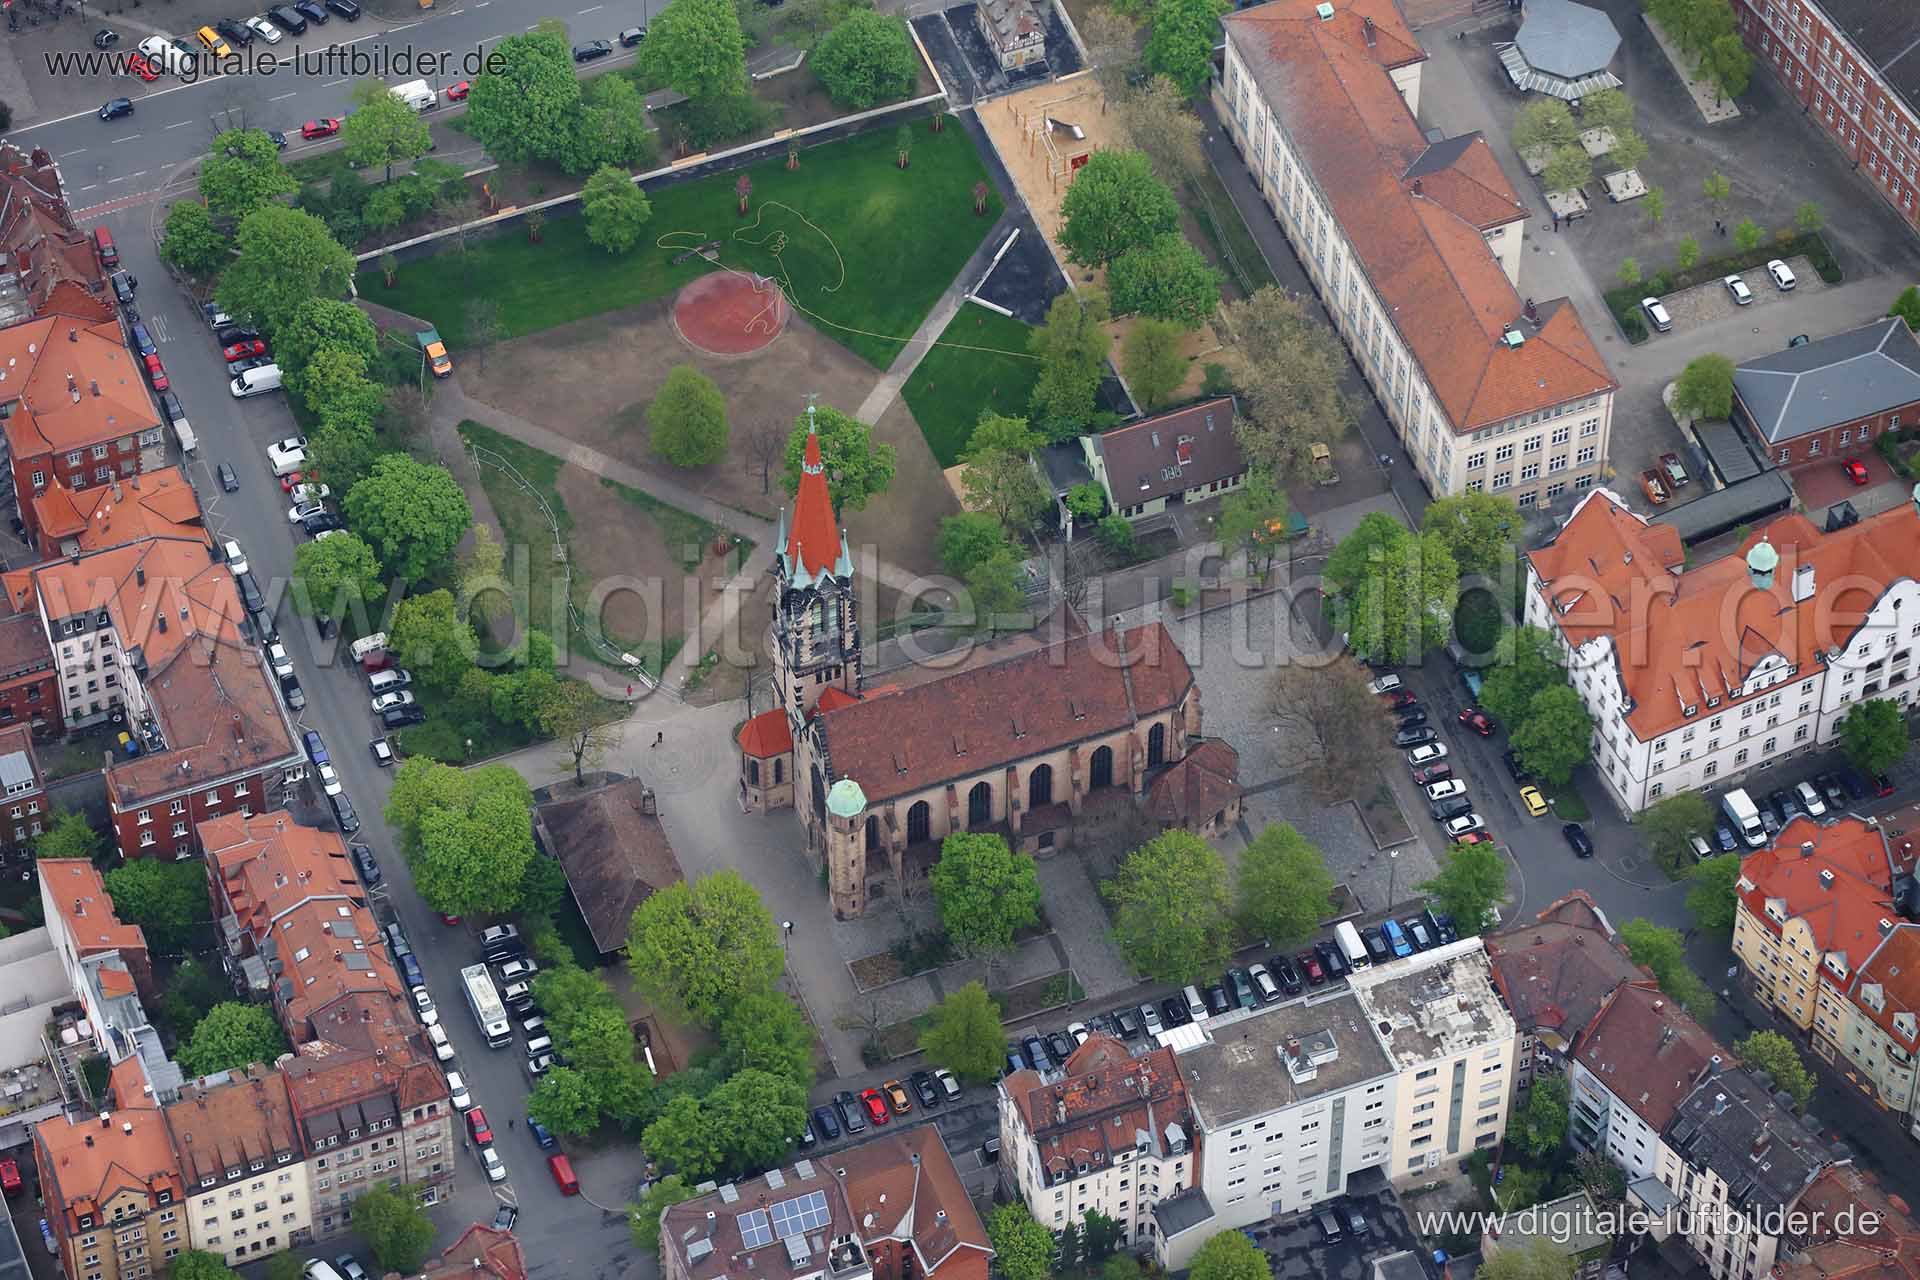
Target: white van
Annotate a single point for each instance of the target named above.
(318, 1270)
(256, 381)
(184, 434)
(1351, 946)
(417, 94)
(1196, 1007)
(164, 54)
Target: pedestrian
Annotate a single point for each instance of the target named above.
(659, 737)
(629, 691)
(511, 1121)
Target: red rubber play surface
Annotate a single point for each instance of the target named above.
(727, 313)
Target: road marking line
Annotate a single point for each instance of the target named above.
(329, 84)
(77, 151)
(183, 124)
(595, 9)
(283, 97)
(90, 186)
(129, 138)
(111, 181)
(141, 174)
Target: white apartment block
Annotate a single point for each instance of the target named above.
(241, 1164)
(1634, 1064)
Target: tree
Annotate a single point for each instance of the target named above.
(1121, 1266)
(1654, 204)
(762, 443)
(765, 1031)
(1167, 279)
(1231, 1255)
(1873, 735)
(232, 1035)
(1607, 109)
(432, 639)
(191, 242)
(1158, 119)
(335, 575)
(526, 105)
(643, 1216)
(68, 835)
(570, 994)
(1023, 1248)
(996, 590)
(336, 389)
(1544, 123)
(1072, 346)
(479, 568)
(685, 1137)
(344, 453)
(382, 129)
(1567, 168)
(1600, 1177)
(1173, 908)
(284, 1266)
(1253, 519)
(1716, 189)
(1115, 204)
(1116, 534)
(969, 538)
(1471, 880)
(1396, 590)
(866, 60)
(1773, 1053)
(698, 947)
(986, 892)
(1666, 825)
(1629, 149)
(242, 172)
(997, 473)
(1153, 361)
(688, 419)
(1907, 307)
(1336, 723)
(1284, 886)
(1112, 40)
(1101, 1235)
(576, 716)
(1532, 1259)
(190, 993)
(857, 465)
(1704, 388)
(319, 323)
(198, 1264)
(1477, 528)
(543, 887)
(1629, 272)
(1556, 736)
(472, 861)
(963, 1034)
(1180, 46)
(1748, 235)
(1288, 368)
(1663, 954)
(167, 899)
(696, 47)
(1527, 662)
(758, 1114)
(413, 513)
(614, 207)
(1086, 502)
(1067, 1254)
(1729, 65)
(397, 1230)
(564, 1102)
(1687, 254)
(285, 257)
(1539, 1127)
(1711, 899)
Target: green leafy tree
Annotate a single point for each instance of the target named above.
(1100, 1236)
(1748, 235)
(615, 209)
(1716, 189)
(1556, 737)
(286, 256)
(1284, 886)
(1522, 1188)
(696, 47)
(858, 466)
(986, 892)
(614, 130)
(319, 323)
(686, 1137)
(343, 453)
(1666, 825)
(963, 1034)
(1253, 519)
(1396, 590)
(1527, 663)
(997, 472)
(1471, 880)
(1544, 123)
(336, 389)
(394, 1225)
(1072, 346)
(969, 538)
(1874, 735)
(471, 862)
(995, 590)
(1711, 899)
(68, 835)
(866, 60)
(432, 639)
(1568, 167)
(1687, 254)
(643, 1216)
(1629, 272)
(1116, 534)
(1086, 502)
(1231, 1255)
(198, 1264)
(190, 242)
(1607, 109)
(564, 1102)
(543, 888)
(1022, 1247)
(337, 574)
(1115, 204)
(1654, 205)
(1152, 358)
(569, 993)
(242, 172)
(1907, 307)
(765, 1031)
(1180, 46)
(284, 1266)
(1729, 65)
(1629, 149)
(1704, 388)
(1773, 1053)
(1540, 1126)
(1173, 907)
(230, 1036)
(191, 992)
(1600, 1177)
(1663, 953)
(382, 130)
(1121, 1266)
(412, 513)
(1166, 279)
(167, 899)
(758, 1113)
(687, 420)
(526, 105)
(1533, 1259)
(698, 947)
(1067, 1252)
(1478, 528)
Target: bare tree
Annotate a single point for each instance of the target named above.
(763, 443)
(483, 321)
(1159, 122)
(1080, 565)
(1335, 722)
(1288, 367)
(406, 415)
(1113, 49)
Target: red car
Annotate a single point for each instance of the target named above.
(293, 478)
(1432, 773)
(447, 919)
(157, 372)
(1309, 966)
(1475, 837)
(1856, 470)
(139, 66)
(876, 1105)
(241, 350)
(1882, 785)
(1404, 698)
(1479, 721)
(477, 1125)
(324, 128)
(458, 92)
(10, 1178)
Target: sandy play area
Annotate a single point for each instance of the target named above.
(1040, 156)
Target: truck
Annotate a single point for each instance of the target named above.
(486, 1006)
(1746, 818)
(437, 358)
(184, 434)
(417, 94)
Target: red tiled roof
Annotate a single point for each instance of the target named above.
(767, 734)
(480, 1250)
(80, 896)
(1842, 887)
(1855, 1231)
(52, 367)
(268, 864)
(231, 1125)
(1645, 1048)
(813, 539)
(1202, 783)
(157, 504)
(1554, 974)
(1105, 1100)
(86, 1161)
(23, 643)
(1894, 968)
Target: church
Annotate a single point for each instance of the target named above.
(1022, 745)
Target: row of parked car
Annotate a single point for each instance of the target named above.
(850, 1113)
(1824, 793)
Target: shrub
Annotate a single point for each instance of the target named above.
(866, 60)
(1632, 325)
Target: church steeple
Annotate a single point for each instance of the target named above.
(815, 636)
(812, 545)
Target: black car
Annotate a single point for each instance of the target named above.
(1832, 788)
(1060, 1046)
(1218, 1002)
(1418, 736)
(1519, 771)
(229, 478)
(401, 717)
(1126, 1023)
(123, 286)
(287, 20)
(590, 50)
(1858, 788)
(1034, 1050)
(1418, 934)
(1281, 967)
(925, 1089)
(229, 334)
(1725, 836)
(1377, 949)
(311, 11)
(114, 108)
(1786, 805)
(826, 1123)
(632, 36)
(276, 137)
(365, 863)
(1173, 1010)
(1578, 840)
(1356, 1223)
(1451, 807)
(1443, 926)
(171, 406)
(348, 9)
(1413, 719)
(326, 626)
(1332, 959)
(851, 1117)
(238, 33)
(105, 38)
(1240, 985)
(250, 594)
(343, 813)
(290, 690)
(507, 1214)
(323, 522)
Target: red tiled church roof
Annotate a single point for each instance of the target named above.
(813, 539)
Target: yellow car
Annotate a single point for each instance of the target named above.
(897, 1097)
(1530, 797)
(214, 42)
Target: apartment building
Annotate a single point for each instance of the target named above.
(1554, 974)
(113, 1192)
(1837, 57)
(1413, 245)
(1699, 674)
(154, 504)
(1878, 1023)
(272, 878)
(1111, 1134)
(1635, 1063)
(1808, 910)
(241, 1165)
(1855, 1230)
(29, 685)
(105, 959)
(1450, 1041)
(49, 267)
(891, 1207)
(23, 795)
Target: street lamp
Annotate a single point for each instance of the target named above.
(786, 935)
(1393, 874)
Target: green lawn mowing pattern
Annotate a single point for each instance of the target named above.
(882, 246)
(952, 387)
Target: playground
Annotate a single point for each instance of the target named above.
(1043, 135)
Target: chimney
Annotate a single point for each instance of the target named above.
(1366, 30)
(161, 622)
(73, 335)
(140, 576)
(1419, 187)
(94, 385)
(1713, 1066)
(126, 1127)
(105, 1120)
(1826, 877)
(89, 1139)
(647, 805)
(239, 730)
(1802, 583)
(1806, 848)
(1719, 1101)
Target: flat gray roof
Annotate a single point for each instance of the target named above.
(1743, 502)
(1244, 1072)
(1851, 375)
(1435, 1005)
(1566, 39)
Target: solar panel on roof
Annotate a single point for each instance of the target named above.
(802, 1213)
(754, 1231)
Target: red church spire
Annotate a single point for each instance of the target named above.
(813, 538)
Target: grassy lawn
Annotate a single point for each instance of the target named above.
(1226, 232)
(864, 247)
(443, 738)
(953, 386)
(321, 168)
(680, 528)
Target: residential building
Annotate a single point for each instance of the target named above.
(1109, 1133)
(1554, 974)
(156, 504)
(1633, 1065)
(113, 1192)
(50, 267)
(1570, 1227)
(76, 408)
(1170, 459)
(1738, 1159)
(1413, 244)
(1879, 1023)
(1819, 402)
(23, 794)
(1019, 742)
(29, 685)
(264, 869)
(1698, 674)
(241, 1165)
(1854, 1230)
(1839, 59)
(608, 839)
(481, 1253)
(1015, 32)
(1808, 910)
(892, 1206)
(1450, 1041)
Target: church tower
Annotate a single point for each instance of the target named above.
(815, 637)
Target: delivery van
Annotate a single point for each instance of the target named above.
(417, 94)
(184, 434)
(163, 53)
(562, 1170)
(104, 246)
(256, 381)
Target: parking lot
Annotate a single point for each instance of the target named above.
(1713, 302)
(1299, 1251)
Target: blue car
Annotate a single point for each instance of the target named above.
(316, 749)
(1396, 938)
(826, 1123)
(541, 1134)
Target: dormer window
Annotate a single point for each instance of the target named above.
(1690, 711)
(207, 1181)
